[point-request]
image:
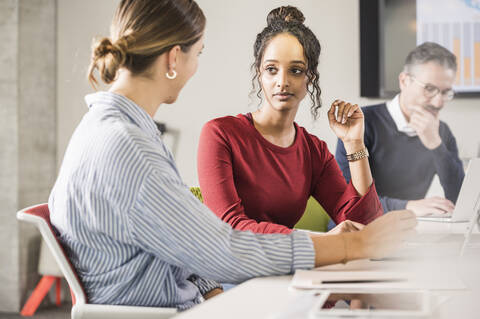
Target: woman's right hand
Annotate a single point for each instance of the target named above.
(387, 232)
(347, 122)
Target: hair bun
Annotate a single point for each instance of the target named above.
(107, 58)
(286, 14)
(103, 47)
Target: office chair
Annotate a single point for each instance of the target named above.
(39, 216)
(314, 218)
(197, 192)
(51, 274)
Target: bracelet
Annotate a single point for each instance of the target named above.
(357, 155)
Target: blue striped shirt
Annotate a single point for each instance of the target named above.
(133, 230)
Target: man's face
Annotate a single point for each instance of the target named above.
(418, 86)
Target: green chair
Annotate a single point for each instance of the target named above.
(315, 218)
(196, 191)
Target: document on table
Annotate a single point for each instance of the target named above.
(374, 279)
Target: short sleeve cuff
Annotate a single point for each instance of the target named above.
(303, 251)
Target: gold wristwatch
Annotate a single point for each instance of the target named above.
(357, 155)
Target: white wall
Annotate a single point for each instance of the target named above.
(223, 81)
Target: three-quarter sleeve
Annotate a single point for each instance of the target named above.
(339, 199)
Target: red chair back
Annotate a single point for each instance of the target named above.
(43, 212)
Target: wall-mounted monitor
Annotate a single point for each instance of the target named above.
(390, 29)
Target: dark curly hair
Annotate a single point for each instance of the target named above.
(289, 19)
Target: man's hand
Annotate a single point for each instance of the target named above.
(426, 124)
(346, 226)
(430, 206)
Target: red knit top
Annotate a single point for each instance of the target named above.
(255, 185)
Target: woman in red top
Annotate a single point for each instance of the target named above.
(257, 170)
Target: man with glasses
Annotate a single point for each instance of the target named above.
(407, 142)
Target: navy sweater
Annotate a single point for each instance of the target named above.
(401, 166)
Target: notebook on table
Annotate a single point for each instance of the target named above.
(368, 275)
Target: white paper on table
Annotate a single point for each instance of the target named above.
(374, 279)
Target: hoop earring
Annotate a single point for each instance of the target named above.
(171, 77)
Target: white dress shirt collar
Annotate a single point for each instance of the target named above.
(393, 108)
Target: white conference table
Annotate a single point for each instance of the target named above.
(427, 227)
(263, 297)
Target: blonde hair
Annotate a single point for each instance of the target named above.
(142, 30)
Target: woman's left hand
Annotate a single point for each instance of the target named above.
(347, 226)
(348, 123)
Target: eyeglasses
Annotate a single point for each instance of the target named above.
(431, 91)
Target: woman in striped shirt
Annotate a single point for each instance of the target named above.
(132, 229)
